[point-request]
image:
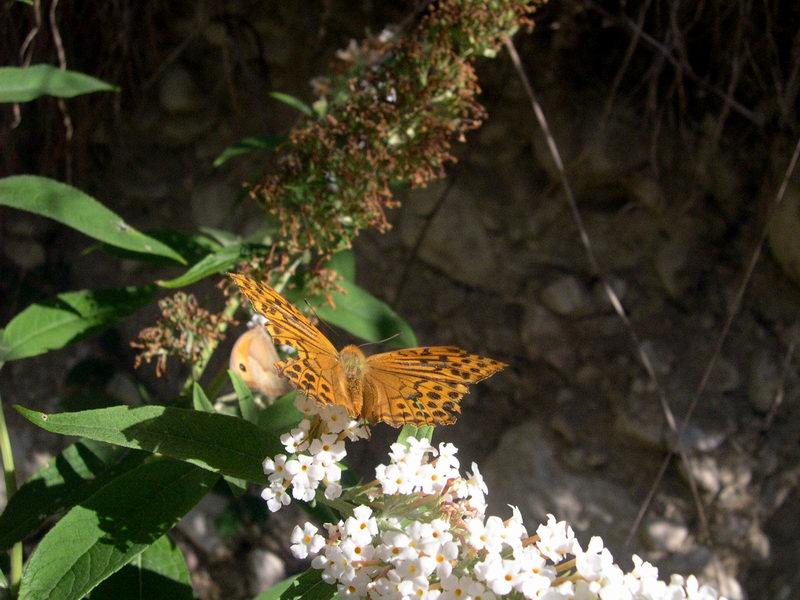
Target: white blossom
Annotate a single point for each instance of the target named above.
(423, 539)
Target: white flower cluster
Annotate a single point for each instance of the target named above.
(425, 536)
(313, 449)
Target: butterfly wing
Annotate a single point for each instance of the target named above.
(316, 370)
(422, 385)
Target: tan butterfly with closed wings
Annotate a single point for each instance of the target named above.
(414, 386)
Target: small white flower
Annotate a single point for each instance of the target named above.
(332, 490)
(306, 541)
(308, 406)
(276, 468)
(355, 588)
(444, 557)
(276, 496)
(335, 417)
(362, 526)
(556, 539)
(296, 440)
(327, 449)
(395, 546)
(356, 552)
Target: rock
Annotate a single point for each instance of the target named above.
(26, 253)
(676, 260)
(765, 378)
(178, 93)
(183, 129)
(660, 355)
(784, 241)
(525, 472)
(618, 287)
(724, 377)
(123, 387)
(545, 339)
(666, 536)
(212, 202)
(456, 242)
(266, 569)
(705, 472)
(449, 300)
(199, 523)
(567, 297)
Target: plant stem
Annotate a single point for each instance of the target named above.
(231, 306)
(9, 472)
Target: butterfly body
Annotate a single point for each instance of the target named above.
(415, 386)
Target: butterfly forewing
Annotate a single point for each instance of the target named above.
(315, 371)
(422, 385)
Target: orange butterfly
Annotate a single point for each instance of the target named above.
(417, 385)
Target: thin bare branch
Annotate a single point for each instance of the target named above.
(608, 290)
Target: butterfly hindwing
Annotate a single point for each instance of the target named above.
(422, 385)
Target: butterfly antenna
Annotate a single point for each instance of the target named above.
(391, 337)
(324, 325)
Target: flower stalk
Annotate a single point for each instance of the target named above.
(10, 477)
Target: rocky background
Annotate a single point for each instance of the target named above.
(674, 184)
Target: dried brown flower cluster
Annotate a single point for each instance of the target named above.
(185, 330)
(389, 117)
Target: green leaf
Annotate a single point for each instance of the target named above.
(70, 206)
(71, 477)
(199, 399)
(201, 402)
(247, 405)
(219, 261)
(248, 144)
(305, 586)
(216, 442)
(423, 432)
(295, 103)
(69, 317)
(193, 247)
(363, 315)
(106, 531)
(344, 263)
(158, 572)
(280, 416)
(23, 84)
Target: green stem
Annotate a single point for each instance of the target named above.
(9, 472)
(231, 306)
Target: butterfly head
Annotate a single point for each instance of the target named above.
(353, 361)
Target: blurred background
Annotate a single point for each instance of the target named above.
(676, 122)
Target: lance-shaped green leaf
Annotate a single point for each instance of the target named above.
(217, 442)
(105, 532)
(248, 144)
(69, 317)
(71, 477)
(199, 399)
(280, 416)
(247, 404)
(70, 206)
(158, 572)
(23, 84)
(305, 586)
(344, 263)
(363, 315)
(295, 103)
(212, 264)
